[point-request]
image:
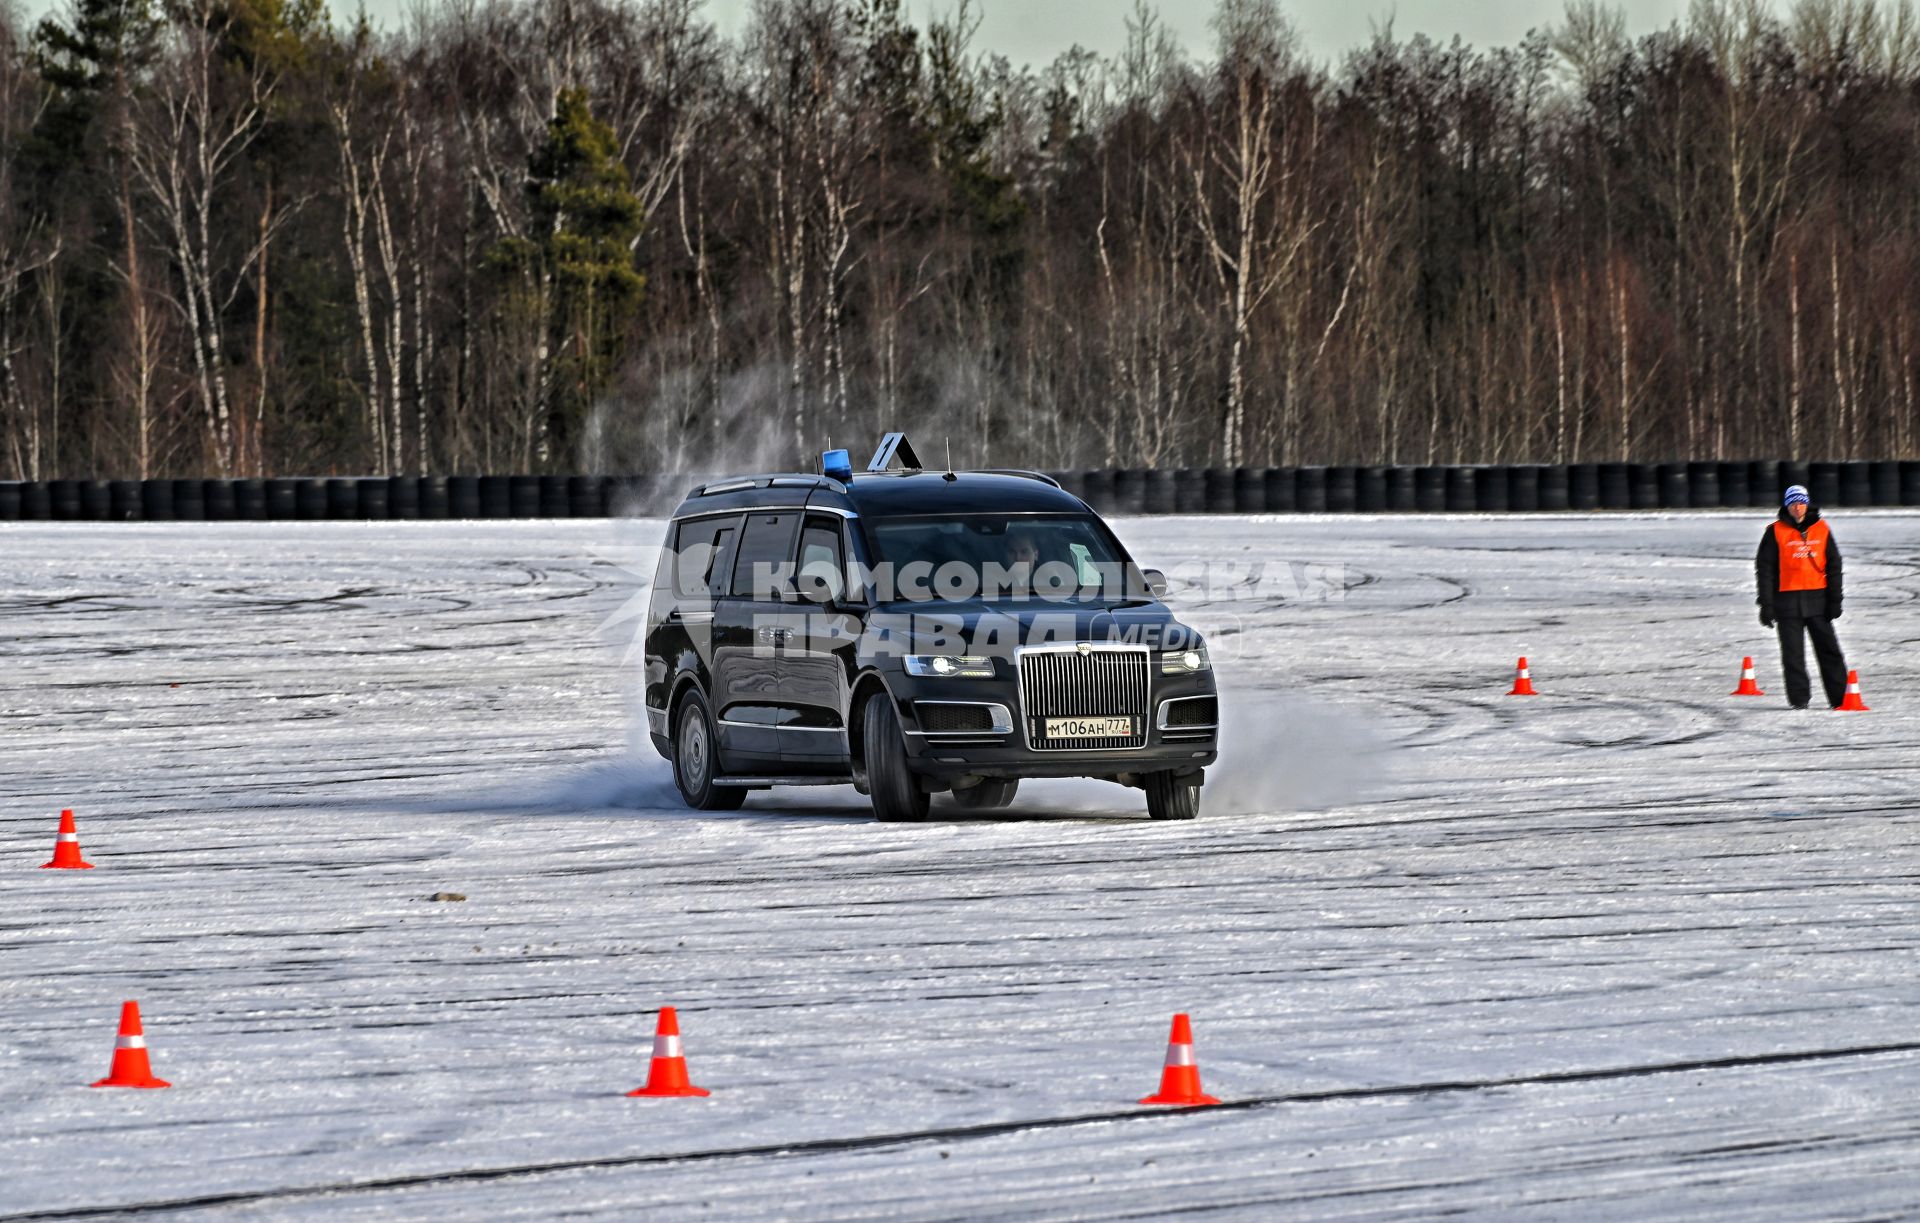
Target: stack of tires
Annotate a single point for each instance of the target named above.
(1339, 489)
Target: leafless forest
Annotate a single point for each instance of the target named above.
(238, 237)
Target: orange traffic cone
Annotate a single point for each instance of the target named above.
(1748, 685)
(1523, 681)
(1180, 1078)
(668, 1074)
(130, 1066)
(1853, 703)
(66, 847)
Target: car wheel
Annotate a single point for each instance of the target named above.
(987, 795)
(696, 760)
(895, 791)
(1172, 798)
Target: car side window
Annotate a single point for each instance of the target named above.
(766, 545)
(703, 556)
(822, 574)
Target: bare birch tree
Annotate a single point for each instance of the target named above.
(202, 114)
(1261, 233)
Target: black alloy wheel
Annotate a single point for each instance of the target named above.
(1172, 798)
(896, 793)
(987, 795)
(696, 760)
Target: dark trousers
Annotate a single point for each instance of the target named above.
(1794, 630)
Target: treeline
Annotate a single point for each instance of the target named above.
(238, 237)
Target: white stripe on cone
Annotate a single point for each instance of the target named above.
(666, 1046)
(1526, 673)
(130, 1042)
(69, 836)
(1179, 1055)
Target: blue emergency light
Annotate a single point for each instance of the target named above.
(836, 465)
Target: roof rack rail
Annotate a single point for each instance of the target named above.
(778, 479)
(1024, 474)
(803, 479)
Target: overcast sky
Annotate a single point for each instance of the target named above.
(1035, 31)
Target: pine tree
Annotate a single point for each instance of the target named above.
(108, 40)
(961, 120)
(92, 67)
(580, 268)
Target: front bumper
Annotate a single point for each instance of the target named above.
(1002, 754)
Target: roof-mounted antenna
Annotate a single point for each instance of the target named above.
(950, 477)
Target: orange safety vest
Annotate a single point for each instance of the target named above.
(1803, 561)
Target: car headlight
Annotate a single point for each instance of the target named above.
(950, 666)
(1185, 662)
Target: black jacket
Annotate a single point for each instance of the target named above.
(1799, 603)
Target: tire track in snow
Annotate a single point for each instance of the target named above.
(960, 1133)
(1471, 906)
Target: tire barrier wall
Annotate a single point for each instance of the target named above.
(1522, 488)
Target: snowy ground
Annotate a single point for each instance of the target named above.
(1631, 949)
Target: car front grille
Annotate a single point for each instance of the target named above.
(1103, 682)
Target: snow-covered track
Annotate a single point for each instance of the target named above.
(1631, 948)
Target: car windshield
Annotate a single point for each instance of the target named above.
(998, 556)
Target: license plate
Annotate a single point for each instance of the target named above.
(1089, 728)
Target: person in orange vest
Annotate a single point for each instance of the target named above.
(1798, 569)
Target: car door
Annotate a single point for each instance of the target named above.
(819, 656)
(751, 627)
(696, 567)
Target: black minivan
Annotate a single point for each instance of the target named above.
(917, 632)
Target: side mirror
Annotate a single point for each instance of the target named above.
(1156, 582)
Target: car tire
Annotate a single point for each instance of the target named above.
(1172, 798)
(988, 795)
(696, 759)
(896, 793)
